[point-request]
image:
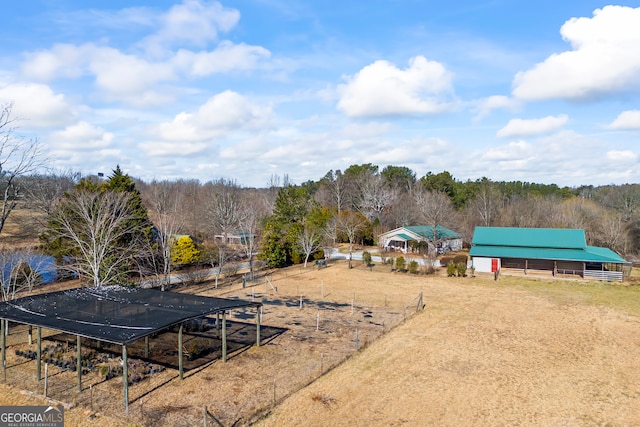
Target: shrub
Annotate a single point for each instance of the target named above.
(192, 276)
(366, 258)
(430, 269)
(461, 269)
(297, 258)
(184, 251)
(458, 259)
(413, 267)
(230, 269)
(446, 260)
(451, 269)
(400, 264)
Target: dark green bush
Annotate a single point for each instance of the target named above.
(413, 267)
(451, 269)
(446, 260)
(366, 258)
(297, 258)
(400, 264)
(461, 269)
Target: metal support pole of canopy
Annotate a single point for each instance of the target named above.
(3, 345)
(79, 363)
(39, 353)
(125, 378)
(258, 314)
(224, 336)
(180, 363)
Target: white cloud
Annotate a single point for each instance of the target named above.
(623, 156)
(563, 158)
(170, 149)
(81, 136)
(220, 115)
(627, 120)
(485, 106)
(118, 76)
(406, 152)
(603, 59)
(522, 127)
(381, 89)
(84, 145)
(515, 152)
(192, 22)
(62, 60)
(136, 78)
(37, 104)
(365, 130)
(226, 57)
(126, 76)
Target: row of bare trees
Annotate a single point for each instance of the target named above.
(216, 209)
(351, 206)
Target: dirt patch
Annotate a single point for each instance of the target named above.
(311, 322)
(479, 354)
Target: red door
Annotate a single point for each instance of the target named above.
(494, 265)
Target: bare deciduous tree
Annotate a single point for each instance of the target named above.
(166, 205)
(434, 208)
(251, 210)
(21, 270)
(624, 198)
(373, 196)
(309, 241)
(193, 212)
(531, 211)
(332, 191)
(611, 231)
(223, 209)
(486, 203)
(44, 191)
(351, 223)
(576, 213)
(19, 156)
(95, 223)
(401, 212)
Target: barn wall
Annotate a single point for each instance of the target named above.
(483, 265)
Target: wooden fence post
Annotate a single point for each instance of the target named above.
(420, 303)
(46, 379)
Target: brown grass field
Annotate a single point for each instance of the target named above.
(517, 351)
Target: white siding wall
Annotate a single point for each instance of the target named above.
(483, 265)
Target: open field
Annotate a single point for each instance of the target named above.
(518, 351)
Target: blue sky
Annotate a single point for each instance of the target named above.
(543, 91)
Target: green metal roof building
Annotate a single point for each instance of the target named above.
(557, 251)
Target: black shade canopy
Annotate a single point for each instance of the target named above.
(114, 314)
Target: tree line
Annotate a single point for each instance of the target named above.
(121, 229)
